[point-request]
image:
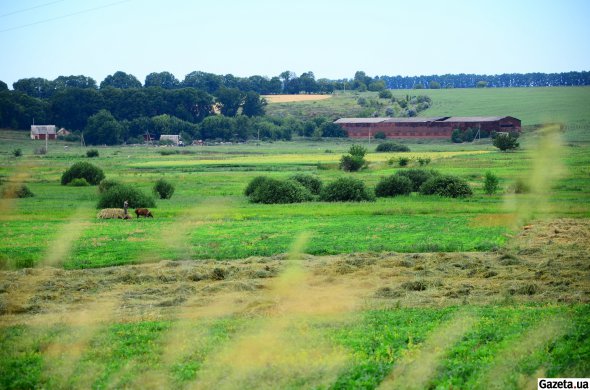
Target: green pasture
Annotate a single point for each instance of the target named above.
(211, 175)
(371, 343)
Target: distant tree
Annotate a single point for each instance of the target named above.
(506, 141)
(103, 128)
(385, 94)
(307, 82)
(481, 84)
(434, 85)
(120, 80)
(229, 101)
(275, 86)
(331, 129)
(3, 86)
(17, 110)
(376, 86)
(418, 85)
(253, 104)
(80, 81)
(35, 87)
(491, 183)
(71, 107)
(164, 80)
(208, 82)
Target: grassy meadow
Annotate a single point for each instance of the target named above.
(216, 329)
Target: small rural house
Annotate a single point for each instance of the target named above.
(170, 137)
(62, 132)
(418, 127)
(43, 132)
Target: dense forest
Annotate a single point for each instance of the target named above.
(208, 106)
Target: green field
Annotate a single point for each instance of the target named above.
(500, 338)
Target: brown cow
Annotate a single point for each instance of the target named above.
(145, 212)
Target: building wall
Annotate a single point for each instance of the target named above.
(425, 129)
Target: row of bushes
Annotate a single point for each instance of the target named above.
(303, 188)
(113, 193)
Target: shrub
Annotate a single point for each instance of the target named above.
(357, 151)
(83, 170)
(107, 184)
(403, 161)
(312, 183)
(273, 191)
(446, 185)
(380, 135)
(79, 182)
(346, 189)
(391, 147)
(20, 191)
(115, 196)
(350, 163)
(491, 183)
(163, 189)
(456, 136)
(254, 184)
(506, 141)
(169, 152)
(423, 161)
(393, 186)
(17, 152)
(92, 153)
(520, 187)
(385, 94)
(417, 176)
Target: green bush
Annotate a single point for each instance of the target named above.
(380, 135)
(491, 183)
(17, 152)
(115, 196)
(446, 185)
(79, 182)
(403, 161)
(163, 189)
(83, 170)
(393, 186)
(273, 191)
(21, 191)
(423, 160)
(391, 147)
(346, 189)
(254, 184)
(417, 176)
(107, 184)
(508, 141)
(312, 183)
(351, 163)
(92, 153)
(520, 187)
(357, 151)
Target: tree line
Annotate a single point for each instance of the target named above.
(289, 83)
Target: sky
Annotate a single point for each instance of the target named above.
(333, 39)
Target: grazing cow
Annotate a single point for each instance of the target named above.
(145, 212)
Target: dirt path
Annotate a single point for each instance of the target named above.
(547, 262)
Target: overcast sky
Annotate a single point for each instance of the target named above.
(334, 39)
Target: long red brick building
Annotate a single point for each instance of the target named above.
(417, 127)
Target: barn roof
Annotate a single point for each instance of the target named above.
(465, 119)
(416, 119)
(475, 118)
(361, 120)
(43, 129)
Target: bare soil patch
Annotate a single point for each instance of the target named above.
(294, 98)
(547, 262)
